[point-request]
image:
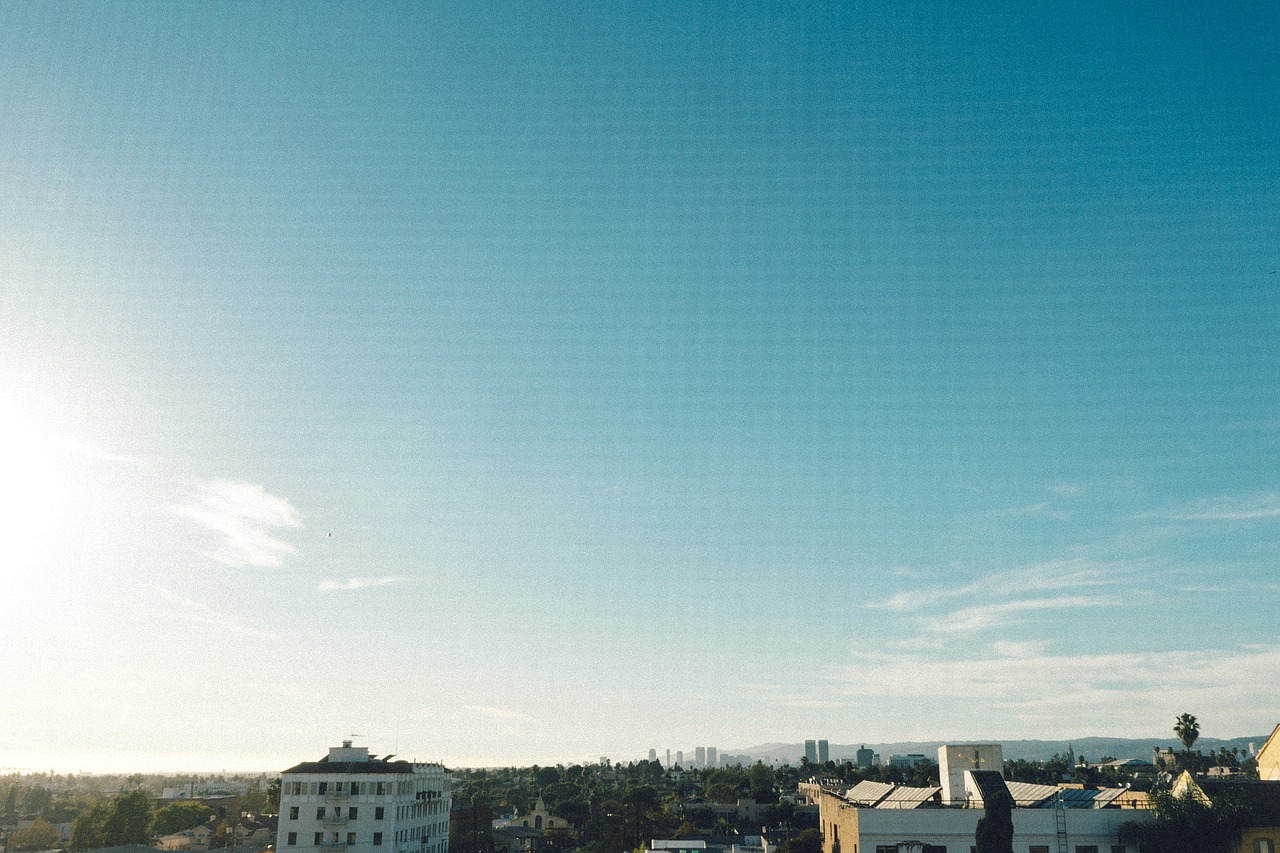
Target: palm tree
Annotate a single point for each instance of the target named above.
(1187, 730)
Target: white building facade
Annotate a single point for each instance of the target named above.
(955, 759)
(352, 802)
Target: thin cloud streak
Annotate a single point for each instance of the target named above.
(197, 612)
(245, 516)
(1065, 574)
(1233, 509)
(503, 714)
(357, 583)
(89, 451)
(1087, 689)
(1004, 613)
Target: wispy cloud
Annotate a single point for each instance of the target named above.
(1041, 508)
(1105, 690)
(503, 714)
(1251, 508)
(190, 611)
(246, 517)
(1002, 614)
(1073, 573)
(357, 583)
(82, 448)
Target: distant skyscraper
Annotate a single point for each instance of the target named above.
(680, 757)
(653, 754)
(824, 753)
(712, 761)
(865, 757)
(811, 751)
(700, 757)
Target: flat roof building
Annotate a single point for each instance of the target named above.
(353, 802)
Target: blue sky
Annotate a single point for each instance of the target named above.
(555, 380)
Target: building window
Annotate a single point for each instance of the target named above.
(1086, 848)
(324, 787)
(1264, 845)
(293, 838)
(351, 838)
(1117, 848)
(351, 813)
(320, 813)
(295, 788)
(293, 812)
(377, 839)
(1038, 848)
(382, 788)
(319, 838)
(378, 812)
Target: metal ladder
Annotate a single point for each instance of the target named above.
(1060, 812)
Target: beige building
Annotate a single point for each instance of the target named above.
(1269, 758)
(1264, 794)
(540, 818)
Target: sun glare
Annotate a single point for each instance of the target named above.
(24, 488)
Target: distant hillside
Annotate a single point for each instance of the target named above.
(1089, 748)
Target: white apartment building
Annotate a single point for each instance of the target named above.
(353, 802)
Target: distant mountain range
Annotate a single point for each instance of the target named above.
(1090, 748)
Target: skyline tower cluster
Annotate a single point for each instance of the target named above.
(817, 751)
(703, 757)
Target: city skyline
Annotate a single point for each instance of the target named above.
(513, 384)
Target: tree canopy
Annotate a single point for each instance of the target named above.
(994, 833)
(40, 835)
(184, 814)
(1187, 729)
(124, 819)
(1187, 825)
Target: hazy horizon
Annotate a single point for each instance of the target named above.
(132, 762)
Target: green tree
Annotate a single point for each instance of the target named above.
(1187, 730)
(544, 776)
(40, 835)
(994, 833)
(760, 783)
(185, 814)
(130, 819)
(222, 835)
(1186, 825)
(89, 830)
(808, 841)
(124, 819)
(783, 815)
(722, 792)
(273, 796)
(38, 799)
(254, 801)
